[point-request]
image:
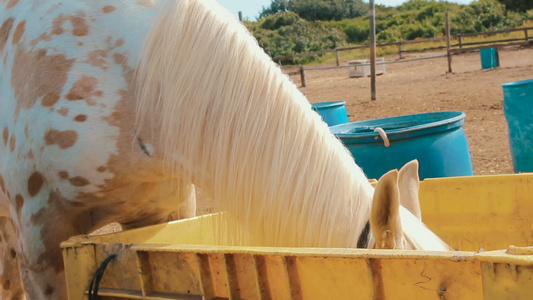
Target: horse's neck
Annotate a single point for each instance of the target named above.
(242, 131)
(317, 197)
(333, 221)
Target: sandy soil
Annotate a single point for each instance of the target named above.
(425, 86)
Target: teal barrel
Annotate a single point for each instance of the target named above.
(518, 108)
(489, 58)
(436, 140)
(332, 112)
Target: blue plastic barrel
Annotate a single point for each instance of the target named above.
(518, 108)
(436, 139)
(489, 58)
(332, 112)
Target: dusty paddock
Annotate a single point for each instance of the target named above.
(425, 86)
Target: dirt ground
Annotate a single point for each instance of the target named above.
(425, 86)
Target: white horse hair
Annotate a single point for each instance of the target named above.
(223, 116)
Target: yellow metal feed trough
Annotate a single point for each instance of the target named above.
(178, 260)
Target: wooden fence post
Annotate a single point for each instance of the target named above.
(337, 56)
(372, 14)
(526, 37)
(448, 43)
(400, 49)
(302, 76)
(460, 41)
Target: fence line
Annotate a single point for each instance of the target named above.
(302, 70)
(454, 49)
(459, 37)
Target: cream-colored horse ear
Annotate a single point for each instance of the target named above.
(409, 185)
(385, 212)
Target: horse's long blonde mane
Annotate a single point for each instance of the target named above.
(227, 118)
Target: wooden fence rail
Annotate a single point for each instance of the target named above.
(401, 50)
(454, 49)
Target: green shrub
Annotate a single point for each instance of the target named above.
(285, 33)
(285, 28)
(528, 15)
(518, 5)
(279, 20)
(357, 34)
(414, 31)
(386, 37)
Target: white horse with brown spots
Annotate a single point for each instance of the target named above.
(109, 110)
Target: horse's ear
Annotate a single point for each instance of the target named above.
(409, 185)
(385, 212)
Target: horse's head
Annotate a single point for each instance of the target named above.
(395, 217)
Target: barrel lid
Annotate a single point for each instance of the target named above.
(517, 83)
(402, 127)
(328, 104)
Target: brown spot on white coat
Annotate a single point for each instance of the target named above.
(46, 37)
(11, 4)
(119, 59)
(52, 69)
(50, 99)
(79, 26)
(2, 184)
(63, 111)
(5, 29)
(119, 42)
(5, 136)
(80, 118)
(12, 142)
(78, 181)
(108, 9)
(19, 32)
(19, 202)
(97, 58)
(35, 182)
(84, 89)
(64, 139)
(57, 24)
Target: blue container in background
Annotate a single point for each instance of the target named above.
(332, 112)
(518, 108)
(436, 139)
(489, 58)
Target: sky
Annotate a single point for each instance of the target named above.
(251, 8)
